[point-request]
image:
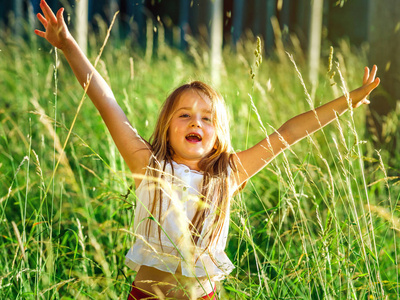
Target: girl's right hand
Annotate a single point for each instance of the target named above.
(56, 31)
(359, 96)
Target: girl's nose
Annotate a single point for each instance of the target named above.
(195, 123)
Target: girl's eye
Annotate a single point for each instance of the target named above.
(207, 119)
(184, 116)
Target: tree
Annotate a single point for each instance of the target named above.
(216, 39)
(184, 7)
(237, 22)
(314, 39)
(384, 38)
(81, 13)
(18, 11)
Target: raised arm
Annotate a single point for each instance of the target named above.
(132, 147)
(254, 159)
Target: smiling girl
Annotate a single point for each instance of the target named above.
(187, 173)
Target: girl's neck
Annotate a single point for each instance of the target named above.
(191, 164)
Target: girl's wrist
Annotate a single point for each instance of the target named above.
(68, 44)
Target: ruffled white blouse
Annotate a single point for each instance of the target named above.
(168, 243)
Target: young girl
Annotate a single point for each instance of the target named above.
(186, 174)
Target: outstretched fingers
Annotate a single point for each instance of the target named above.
(60, 17)
(40, 33)
(366, 75)
(373, 73)
(42, 19)
(370, 86)
(375, 83)
(48, 13)
(370, 82)
(369, 77)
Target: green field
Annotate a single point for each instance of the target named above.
(320, 222)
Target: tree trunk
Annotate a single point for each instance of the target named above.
(184, 7)
(384, 38)
(237, 22)
(269, 31)
(81, 26)
(285, 13)
(135, 10)
(216, 39)
(18, 8)
(113, 8)
(314, 39)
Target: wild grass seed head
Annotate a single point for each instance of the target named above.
(258, 58)
(39, 171)
(341, 135)
(308, 96)
(330, 60)
(319, 221)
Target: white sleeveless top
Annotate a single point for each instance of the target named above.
(180, 193)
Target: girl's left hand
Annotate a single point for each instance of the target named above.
(359, 96)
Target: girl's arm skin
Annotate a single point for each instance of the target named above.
(133, 148)
(252, 160)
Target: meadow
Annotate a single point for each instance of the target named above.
(320, 222)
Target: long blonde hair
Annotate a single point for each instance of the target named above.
(215, 188)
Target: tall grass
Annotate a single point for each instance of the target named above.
(320, 222)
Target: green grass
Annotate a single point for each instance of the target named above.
(320, 222)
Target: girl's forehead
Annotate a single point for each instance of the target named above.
(194, 99)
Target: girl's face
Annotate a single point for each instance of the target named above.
(191, 133)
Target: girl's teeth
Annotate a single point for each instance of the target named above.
(192, 137)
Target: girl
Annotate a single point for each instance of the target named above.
(186, 174)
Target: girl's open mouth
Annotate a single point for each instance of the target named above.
(193, 137)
